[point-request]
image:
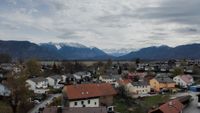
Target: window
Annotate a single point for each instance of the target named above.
(88, 101)
(82, 102)
(95, 103)
(75, 103)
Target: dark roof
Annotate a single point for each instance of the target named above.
(140, 83)
(76, 110)
(82, 91)
(55, 77)
(38, 79)
(164, 79)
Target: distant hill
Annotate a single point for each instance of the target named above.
(50, 51)
(75, 51)
(191, 51)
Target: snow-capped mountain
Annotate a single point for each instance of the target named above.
(119, 52)
(61, 45)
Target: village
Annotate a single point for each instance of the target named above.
(100, 86)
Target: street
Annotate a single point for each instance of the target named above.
(192, 107)
(44, 103)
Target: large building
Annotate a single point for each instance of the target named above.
(162, 82)
(88, 95)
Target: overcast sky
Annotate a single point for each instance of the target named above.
(102, 23)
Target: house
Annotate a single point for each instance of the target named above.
(4, 91)
(55, 109)
(82, 75)
(123, 82)
(173, 106)
(162, 82)
(88, 95)
(139, 88)
(183, 80)
(54, 81)
(109, 78)
(68, 78)
(38, 85)
(137, 75)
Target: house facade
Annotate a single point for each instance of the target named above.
(38, 85)
(138, 88)
(88, 95)
(161, 82)
(183, 80)
(54, 81)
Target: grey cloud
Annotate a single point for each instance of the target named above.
(178, 11)
(69, 35)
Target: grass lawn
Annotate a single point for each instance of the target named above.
(129, 105)
(149, 102)
(4, 107)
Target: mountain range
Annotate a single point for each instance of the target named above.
(75, 51)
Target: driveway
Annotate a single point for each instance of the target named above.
(44, 103)
(192, 107)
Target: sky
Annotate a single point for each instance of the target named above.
(106, 24)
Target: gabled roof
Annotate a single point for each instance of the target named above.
(163, 79)
(173, 106)
(83, 91)
(140, 83)
(124, 81)
(38, 79)
(55, 77)
(186, 78)
(76, 110)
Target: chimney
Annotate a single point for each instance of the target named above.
(59, 109)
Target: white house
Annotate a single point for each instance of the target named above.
(183, 80)
(68, 78)
(94, 102)
(88, 95)
(54, 81)
(111, 79)
(139, 88)
(38, 85)
(81, 75)
(4, 91)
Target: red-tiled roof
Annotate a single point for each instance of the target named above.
(173, 106)
(124, 81)
(82, 91)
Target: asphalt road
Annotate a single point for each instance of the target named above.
(44, 103)
(192, 108)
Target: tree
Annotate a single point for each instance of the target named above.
(108, 64)
(19, 92)
(137, 61)
(178, 71)
(5, 58)
(56, 69)
(33, 67)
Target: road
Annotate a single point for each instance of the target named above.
(44, 103)
(192, 107)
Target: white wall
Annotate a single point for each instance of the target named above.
(39, 87)
(179, 81)
(138, 89)
(85, 102)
